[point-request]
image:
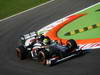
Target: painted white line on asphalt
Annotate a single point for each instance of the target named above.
(27, 10)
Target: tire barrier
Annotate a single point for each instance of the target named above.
(82, 30)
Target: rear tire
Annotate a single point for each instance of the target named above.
(72, 44)
(41, 57)
(21, 52)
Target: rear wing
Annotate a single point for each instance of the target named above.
(28, 36)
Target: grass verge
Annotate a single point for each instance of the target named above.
(11, 7)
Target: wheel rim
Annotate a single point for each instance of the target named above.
(69, 44)
(41, 57)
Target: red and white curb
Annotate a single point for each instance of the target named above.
(90, 46)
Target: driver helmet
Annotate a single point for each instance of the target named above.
(41, 37)
(45, 41)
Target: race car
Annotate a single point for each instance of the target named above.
(46, 51)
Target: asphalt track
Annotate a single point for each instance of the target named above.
(11, 29)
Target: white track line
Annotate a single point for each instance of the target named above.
(27, 10)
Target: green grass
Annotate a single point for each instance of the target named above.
(11, 7)
(92, 17)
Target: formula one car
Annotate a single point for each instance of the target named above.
(46, 51)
